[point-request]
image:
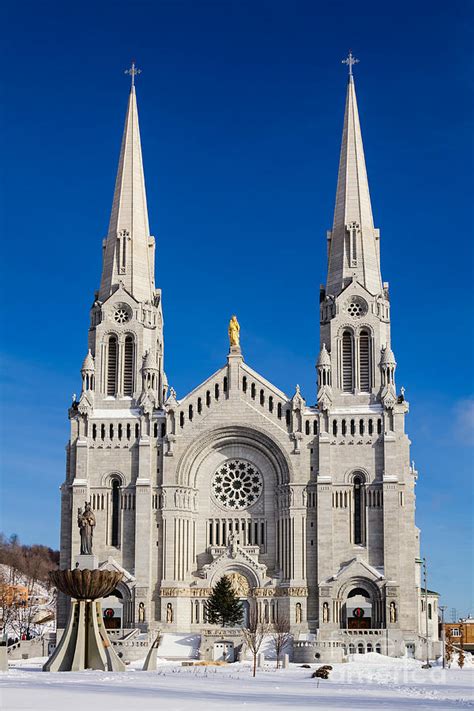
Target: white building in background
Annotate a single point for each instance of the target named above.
(310, 509)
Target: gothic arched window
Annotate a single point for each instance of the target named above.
(128, 367)
(112, 356)
(364, 361)
(115, 512)
(358, 502)
(347, 362)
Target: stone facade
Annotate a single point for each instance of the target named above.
(310, 509)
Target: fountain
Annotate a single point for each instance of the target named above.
(85, 643)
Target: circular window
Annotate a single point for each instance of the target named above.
(237, 485)
(121, 315)
(356, 307)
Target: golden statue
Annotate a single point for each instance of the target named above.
(234, 331)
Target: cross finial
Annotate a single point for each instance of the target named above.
(133, 71)
(350, 61)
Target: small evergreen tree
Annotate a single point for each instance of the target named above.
(223, 607)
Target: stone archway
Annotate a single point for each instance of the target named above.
(242, 584)
(189, 466)
(120, 602)
(361, 605)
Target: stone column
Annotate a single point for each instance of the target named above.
(144, 528)
(234, 360)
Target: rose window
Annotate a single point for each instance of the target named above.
(237, 485)
(121, 315)
(356, 307)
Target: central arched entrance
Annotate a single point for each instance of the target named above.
(241, 587)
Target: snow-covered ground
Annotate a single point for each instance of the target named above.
(369, 682)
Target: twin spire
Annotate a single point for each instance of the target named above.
(353, 240)
(129, 248)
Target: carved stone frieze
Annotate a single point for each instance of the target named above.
(185, 592)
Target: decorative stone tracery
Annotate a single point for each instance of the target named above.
(237, 485)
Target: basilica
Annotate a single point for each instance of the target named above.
(310, 510)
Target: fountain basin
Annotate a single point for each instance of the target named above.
(85, 584)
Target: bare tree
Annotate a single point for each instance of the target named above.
(33, 566)
(22, 581)
(449, 648)
(461, 657)
(7, 602)
(281, 635)
(254, 635)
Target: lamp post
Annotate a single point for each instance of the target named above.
(443, 636)
(427, 665)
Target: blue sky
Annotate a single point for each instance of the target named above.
(241, 108)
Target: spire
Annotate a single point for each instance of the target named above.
(353, 241)
(324, 358)
(129, 252)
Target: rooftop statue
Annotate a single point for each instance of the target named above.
(234, 332)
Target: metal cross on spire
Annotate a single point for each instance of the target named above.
(133, 71)
(350, 61)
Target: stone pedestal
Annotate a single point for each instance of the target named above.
(86, 562)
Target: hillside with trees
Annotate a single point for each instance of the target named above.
(27, 600)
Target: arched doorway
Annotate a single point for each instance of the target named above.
(112, 610)
(117, 608)
(359, 609)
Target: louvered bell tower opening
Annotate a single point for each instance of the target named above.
(364, 362)
(112, 366)
(128, 367)
(347, 362)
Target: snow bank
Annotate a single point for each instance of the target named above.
(179, 646)
(387, 685)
